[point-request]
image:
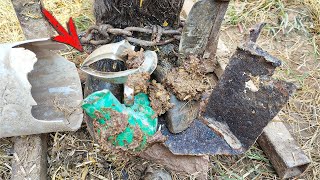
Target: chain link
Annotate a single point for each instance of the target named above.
(106, 30)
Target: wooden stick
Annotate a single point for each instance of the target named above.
(31, 150)
(283, 151)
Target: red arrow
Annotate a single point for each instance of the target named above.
(70, 38)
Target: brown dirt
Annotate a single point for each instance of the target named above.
(188, 82)
(137, 138)
(204, 101)
(113, 127)
(159, 98)
(139, 82)
(158, 137)
(134, 58)
(117, 124)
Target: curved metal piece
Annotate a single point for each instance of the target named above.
(115, 51)
(128, 95)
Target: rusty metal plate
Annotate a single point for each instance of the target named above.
(240, 106)
(246, 98)
(201, 32)
(198, 139)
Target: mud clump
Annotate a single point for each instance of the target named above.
(108, 130)
(159, 98)
(134, 58)
(188, 81)
(139, 82)
(137, 138)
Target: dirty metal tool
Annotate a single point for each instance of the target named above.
(115, 51)
(113, 79)
(42, 91)
(287, 158)
(199, 37)
(200, 33)
(236, 111)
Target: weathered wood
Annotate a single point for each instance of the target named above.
(30, 157)
(211, 48)
(33, 28)
(282, 150)
(30, 161)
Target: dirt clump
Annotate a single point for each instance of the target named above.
(137, 138)
(107, 132)
(188, 81)
(139, 82)
(159, 98)
(110, 128)
(134, 58)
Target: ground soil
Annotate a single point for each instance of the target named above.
(139, 82)
(134, 59)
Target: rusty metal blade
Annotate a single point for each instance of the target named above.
(201, 31)
(198, 139)
(240, 106)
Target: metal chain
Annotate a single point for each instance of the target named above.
(105, 30)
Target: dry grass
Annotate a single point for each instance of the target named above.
(74, 155)
(79, 10)
(6, 147)
(314, 10)
(10, 29)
